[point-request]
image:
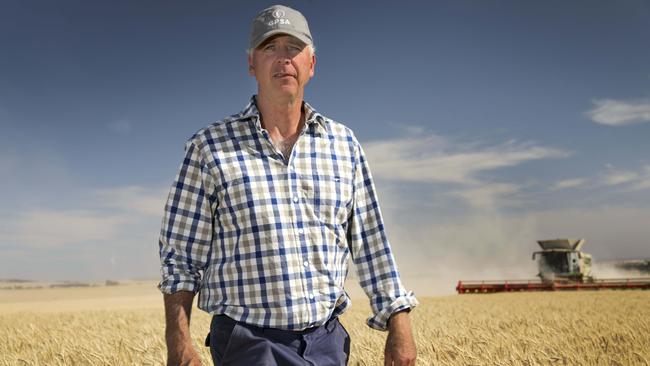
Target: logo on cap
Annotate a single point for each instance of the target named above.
(280, 19)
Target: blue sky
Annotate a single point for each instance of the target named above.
(488, 125)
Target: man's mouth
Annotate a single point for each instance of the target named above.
(283, 75)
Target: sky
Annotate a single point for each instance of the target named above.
(488, 125)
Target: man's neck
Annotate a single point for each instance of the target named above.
(281, 118)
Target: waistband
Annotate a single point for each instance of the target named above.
(230, 322)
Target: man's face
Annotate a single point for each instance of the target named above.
(282, 66)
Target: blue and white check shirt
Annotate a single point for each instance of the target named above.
(266, 240)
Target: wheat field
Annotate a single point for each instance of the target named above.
(124, 325)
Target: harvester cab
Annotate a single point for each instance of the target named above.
(563, 260)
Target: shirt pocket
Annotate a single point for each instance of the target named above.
(232, 191)
(332, 198)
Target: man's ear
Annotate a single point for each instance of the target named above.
(251, 68)
(313, 64)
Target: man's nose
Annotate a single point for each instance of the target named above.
(284, 55)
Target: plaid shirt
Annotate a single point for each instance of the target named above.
(266, 240)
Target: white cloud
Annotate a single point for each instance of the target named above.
(628, 179)
(120, 127)
(568, 183)
(137, 199)
(644, 181)
(431, 159)
(103, 215)
(616, 178)
(622, 180)
(410, 130)
(612, 112)
(49, 228)
(490, 196)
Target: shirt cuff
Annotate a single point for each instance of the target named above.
(380, 320)
(173, 284)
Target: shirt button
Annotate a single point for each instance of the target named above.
(311, 296)
(295, 199)
(301, 231)
(305, 263)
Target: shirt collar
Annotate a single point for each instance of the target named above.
(312, 117)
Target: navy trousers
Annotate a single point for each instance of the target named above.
(234, 343)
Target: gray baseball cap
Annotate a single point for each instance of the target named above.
(279, 19)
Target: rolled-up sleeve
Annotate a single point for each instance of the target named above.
(187, 226)
(371, 251)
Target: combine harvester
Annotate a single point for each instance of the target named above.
(562, 267)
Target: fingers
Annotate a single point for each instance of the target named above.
(388, 356)
(388, 360)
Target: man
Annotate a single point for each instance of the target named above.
(263, 215)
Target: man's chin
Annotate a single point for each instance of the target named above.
(287, 91)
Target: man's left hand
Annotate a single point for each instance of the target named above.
(400, 346)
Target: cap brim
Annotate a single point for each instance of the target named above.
(301, 37)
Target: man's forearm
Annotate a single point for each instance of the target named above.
(400, 322)
(178, 310)
(400, 345)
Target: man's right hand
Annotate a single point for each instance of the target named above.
(178, 311)
(184, 355)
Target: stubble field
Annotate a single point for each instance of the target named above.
(124, 325)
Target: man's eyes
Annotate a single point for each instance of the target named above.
(272, 47)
